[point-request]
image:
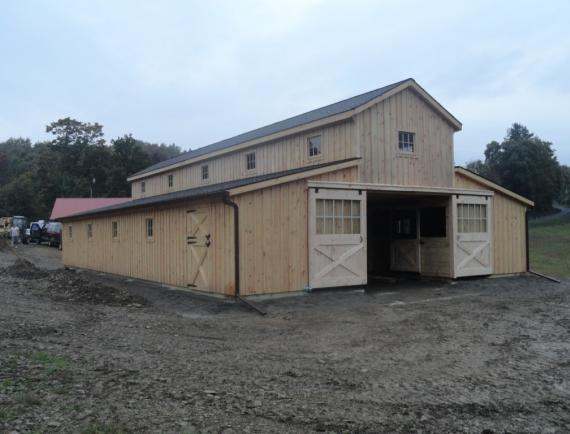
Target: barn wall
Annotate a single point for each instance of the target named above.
(165, 258)
(377, 136)
(337, 143)
(273, 235)
(509, 229)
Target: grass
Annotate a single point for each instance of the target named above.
(550, 246)
(50, 362)
(104, 428)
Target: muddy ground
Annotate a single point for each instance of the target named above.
(478, 356)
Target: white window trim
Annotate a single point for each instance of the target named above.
(414, 143)
(146, 220)
(205, 180)
(320, 154)
(254, 168)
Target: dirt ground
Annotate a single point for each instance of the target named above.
(84, 352)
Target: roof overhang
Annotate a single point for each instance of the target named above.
(341, 117)
(492, 185)
(412, 190)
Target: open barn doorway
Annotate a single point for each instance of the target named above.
(408, 235)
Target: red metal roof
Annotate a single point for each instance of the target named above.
(65, 206)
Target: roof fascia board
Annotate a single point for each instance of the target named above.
(480, 180)
(341, 117)
(392, 188)
(457, 126)
(290, 178)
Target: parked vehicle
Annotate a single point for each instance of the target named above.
(22, 223)
(35, 233)
(52, 233)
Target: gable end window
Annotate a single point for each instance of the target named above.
(143, 187)
(70, 232)
(115, 230)
(170, 181)
(205, 172)
(149, 228)
(406, 142)
(250, 161)
(314, 144)
(89, 230)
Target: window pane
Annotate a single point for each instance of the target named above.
(338, 208)
(320, 225)
(355, 208)
(355, 225)
(328, 225)
(329, 208)
(347, 225)
(338, 225)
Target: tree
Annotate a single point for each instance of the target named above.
(523, 163)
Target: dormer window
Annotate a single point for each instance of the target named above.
(205, 172)
(406, 142)
(250, 161)
(170, 181)
(314, 146)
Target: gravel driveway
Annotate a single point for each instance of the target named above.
(83, 352)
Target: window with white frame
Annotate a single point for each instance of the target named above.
(471, 218)
(205, 172)
(314, 146)
(336, 216)
(250, 161)
(115, 230)
(170, 181)
(406, 142)
(89, 230)
(149, 228)
(143, 187)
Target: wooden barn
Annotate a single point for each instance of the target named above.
(337, 196)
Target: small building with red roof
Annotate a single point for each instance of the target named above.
(66, 206)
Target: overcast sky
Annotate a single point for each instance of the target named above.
(193, 73)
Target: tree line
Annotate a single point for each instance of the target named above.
(527, 165)
(77, 162)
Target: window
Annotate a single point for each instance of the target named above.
(115, 230)
(406, 142)
(250, 161)
(170, 181)
(89, 230)
(433, 222)
(314, 146)
(404, 224)
(205, 172)
(143, 187)
(336, 216)
(149, 228)
(471, 218)
(70, 229)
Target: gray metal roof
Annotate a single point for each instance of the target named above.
(199, 192)
(295, 121)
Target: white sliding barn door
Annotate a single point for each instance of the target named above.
(473, 254)
(337, 238)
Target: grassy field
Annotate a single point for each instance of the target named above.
(550, 246)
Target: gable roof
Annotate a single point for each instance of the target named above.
(215, 189)
(66, 206)
(492, 185)
(347, 106)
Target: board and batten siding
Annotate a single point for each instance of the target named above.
(337, 143)
(163, 259)
(509, 229)
(431, 163)
(274, 235)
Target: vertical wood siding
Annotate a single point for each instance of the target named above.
(509, 230)
(337, 143)
(377, 128)
(273, 235)
(163, 259)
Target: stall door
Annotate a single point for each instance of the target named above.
(472, 230)
(337, 238)
(405, 244)
(198, 242)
